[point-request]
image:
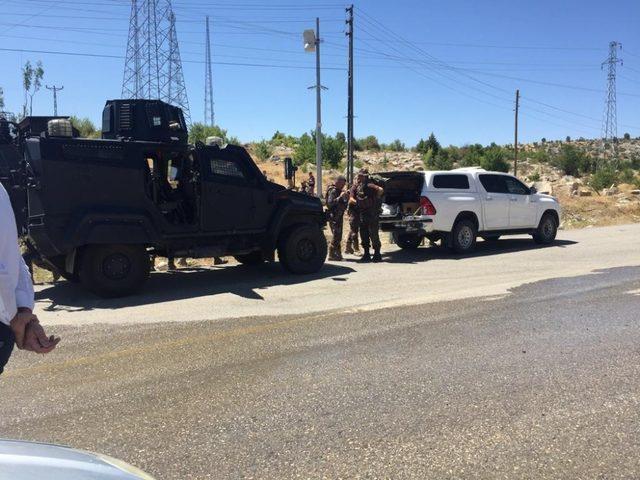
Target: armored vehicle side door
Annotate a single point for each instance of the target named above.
(234, 195)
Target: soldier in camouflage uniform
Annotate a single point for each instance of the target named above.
(337, 200)
(366, 196)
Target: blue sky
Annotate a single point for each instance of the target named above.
(447, 66)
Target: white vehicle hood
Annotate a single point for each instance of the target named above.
(37, 461)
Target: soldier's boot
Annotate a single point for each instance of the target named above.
(356, 244)
(339, 253)
(377, 258)
(349, 247)
(366, 257)
(332, 254)
(171, 264)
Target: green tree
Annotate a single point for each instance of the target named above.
(627, 136)
(493, 159)
(430, 144)
(471, 155)
(281, 139)
(86, 127)
(199, 132)
(370, 143)
(31, 82)
(397, 146)
(437, 161)
(333, 149)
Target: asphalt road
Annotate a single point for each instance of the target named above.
(533, 374)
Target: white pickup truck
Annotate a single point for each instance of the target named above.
(459, 205)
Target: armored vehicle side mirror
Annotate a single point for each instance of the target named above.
(533, 190)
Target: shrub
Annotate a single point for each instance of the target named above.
(263, 150)
(603, 178)
(535, 177)
(627, 175)
(572, 161)
(430, 143)
(281, 139)
(627, 136)
(305, 151)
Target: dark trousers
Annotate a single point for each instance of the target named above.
(7, 340)
(369, 229)
(336, 223)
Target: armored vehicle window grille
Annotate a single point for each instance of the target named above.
(125, 116)
(226, 168)
(452, 181)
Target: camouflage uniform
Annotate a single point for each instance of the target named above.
(368, 203)
(353, 242)
(336, 207)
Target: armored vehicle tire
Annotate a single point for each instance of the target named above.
(303, 249)
(114, 270)
(407, 241)
(546, 231)
(463, 236)
(251, 259)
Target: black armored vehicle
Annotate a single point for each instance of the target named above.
(98, 210)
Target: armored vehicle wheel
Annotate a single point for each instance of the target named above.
(303, 249)
(114, 270)
(251, 259)
(407, 241)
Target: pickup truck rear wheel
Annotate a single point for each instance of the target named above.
(114, 270)
(463, 236)
(303, 249)
(251, 259)
(407, 241)
(546, 231)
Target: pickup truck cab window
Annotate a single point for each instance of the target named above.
(516, 187)
(494, 183)
(451, 181)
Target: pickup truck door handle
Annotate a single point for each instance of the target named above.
(488, 198)
(514, 199)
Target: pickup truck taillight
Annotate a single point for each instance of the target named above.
(427, 207)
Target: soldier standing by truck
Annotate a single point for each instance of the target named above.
(337, 200)
(366, 196)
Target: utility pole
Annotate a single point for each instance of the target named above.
(318, 114)
(209, 117)
(55, 91)
(350, 99)
(515, 141)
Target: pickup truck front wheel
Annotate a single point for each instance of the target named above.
(303, 249)
(114, 270)
(546, 231)
(407, 241)
(463, 236)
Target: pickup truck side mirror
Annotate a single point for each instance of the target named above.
(533, 190)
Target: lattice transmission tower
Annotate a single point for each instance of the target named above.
(209, 116)
(153, 68)
(610, 122)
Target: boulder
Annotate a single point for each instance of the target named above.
(635, 192)
(610, 192)
(584, 193)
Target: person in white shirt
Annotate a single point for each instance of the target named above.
(18, 324)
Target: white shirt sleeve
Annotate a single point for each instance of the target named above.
(24, 290)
